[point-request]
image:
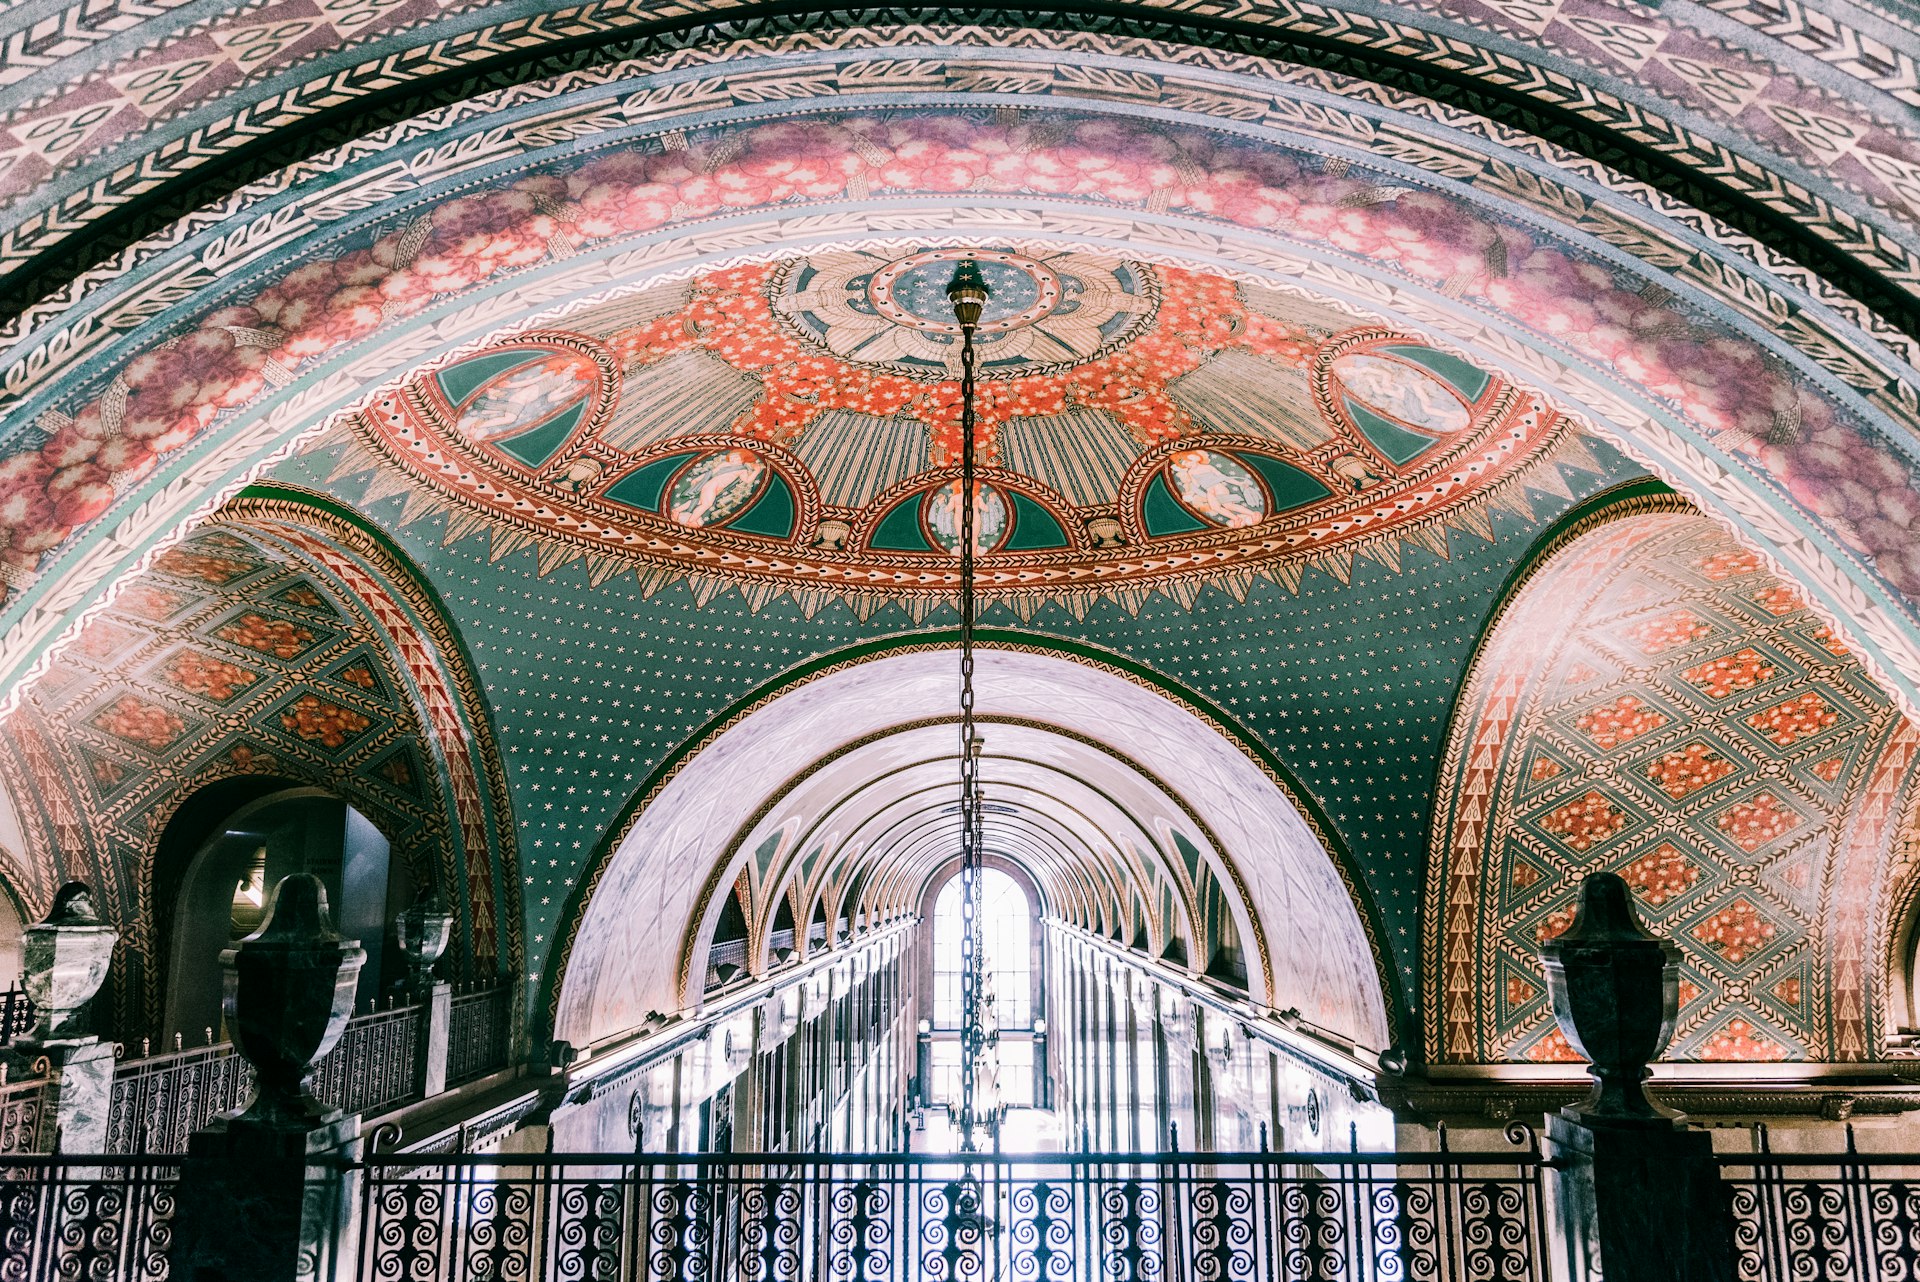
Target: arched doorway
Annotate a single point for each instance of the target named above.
(227, 851)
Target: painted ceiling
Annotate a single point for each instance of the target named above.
(1755, 387)
(1804, 108)
(791, 426)
(1655, 702)
(258, 648)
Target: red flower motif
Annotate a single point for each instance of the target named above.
(1653, 636)
(139, 722)
(1730, 673)
(1740, 1041)
(1681, 773)
(1726, 565)
(276, 637)
(1585, 821)
(189, 564)
(1618, 722)
(205, 676)
(1787, 723)
(327, 724)
(1758, 822)
(1736, 931)
(1661, 874)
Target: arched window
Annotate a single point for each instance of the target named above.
(222, 892)
(1006, 954)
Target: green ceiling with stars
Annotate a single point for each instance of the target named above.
(1348, 684)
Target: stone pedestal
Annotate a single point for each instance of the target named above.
(430, 1057)
(1636, 1191)
(66, 958)
(1640, 1202)
(265, 1203)
(265, 1195)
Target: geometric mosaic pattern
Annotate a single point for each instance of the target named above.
(1658, 704)
(237, 656)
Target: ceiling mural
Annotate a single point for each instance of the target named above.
(261, 646)
(1803, 108)
(273, 355)
(1656, 703)
(792, 427)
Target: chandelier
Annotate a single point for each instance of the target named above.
(968, 294)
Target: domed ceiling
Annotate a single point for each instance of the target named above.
(793, 427)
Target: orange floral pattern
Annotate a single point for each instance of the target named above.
(277, 637)
(1779, 599)
(1729, 674)
(1553, 924)
(1726, 565)
(1654, 636)
(1788, 723)
(1735, 931)
(1681, 773)
(358, 674)
(1586, 821)
(318, 721)
(189, 564)
(1661, 874)
(1741, 1042)
(302, 595)
(1621, 721)
(1519, 991)
(1553, 1049)
(1787, 991)
(137, 721)
(1545, 768)
(150, 602)
(1758, 822)
(205, 676)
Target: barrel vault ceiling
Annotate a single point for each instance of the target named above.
(1319, 343)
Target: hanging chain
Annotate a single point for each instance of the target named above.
(968, 293)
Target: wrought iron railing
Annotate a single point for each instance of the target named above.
(160, 1100)
(478, 1031)
(22, 1111)
(372, 1068)
(1834, 1217)
(60, 1219)
(892, 1218)
(16, 1014)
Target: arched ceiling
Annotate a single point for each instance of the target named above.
(1122, 754)
(866, 829)
(1800, 113)
(1655, 702)
(718, 257)
(1750, 384)
(279, 643)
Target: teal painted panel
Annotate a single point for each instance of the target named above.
(1287, 484)
(1034, 529)
(899, 530)
(464, 379)
(1162, 514)
(536, 447)
(1467, 379)
(644, 486)
(1392, 440)
(772, 514)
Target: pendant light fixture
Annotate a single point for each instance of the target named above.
(968, 294)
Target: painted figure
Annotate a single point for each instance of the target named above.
(1217, 488)
(989, 517)
(716, 488)
(526, 397)
(1397, 390)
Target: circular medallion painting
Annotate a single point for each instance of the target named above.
(795, 426)
(715, 488)
(941, 511)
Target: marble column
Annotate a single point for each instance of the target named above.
(1636, 1190)
(423, 932)
(66, 959)
(264, 1193)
